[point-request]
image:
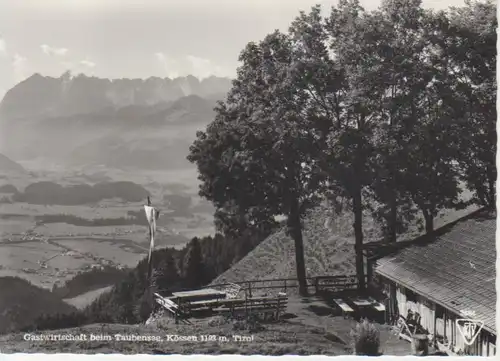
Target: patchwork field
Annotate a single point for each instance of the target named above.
(50, 243)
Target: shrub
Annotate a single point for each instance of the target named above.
(218, 321)
(165, 322)
(251, 324)
(8, 188)
(366, 339)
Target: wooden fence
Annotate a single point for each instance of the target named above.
(317, 284)
(334, 284)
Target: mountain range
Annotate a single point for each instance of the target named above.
(8, 166)
(122, 123)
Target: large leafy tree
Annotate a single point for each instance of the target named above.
(226, 180)
(416, 130)
(418, 157)
(325, 67)
(390, 77)
(466, 42)
(263, 156)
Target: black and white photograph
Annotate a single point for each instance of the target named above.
(248, 177)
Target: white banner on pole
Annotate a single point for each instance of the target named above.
(152, 215)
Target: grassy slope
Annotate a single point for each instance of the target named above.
(276, 340)
(21, 303)
(328, 246)
(309, 332)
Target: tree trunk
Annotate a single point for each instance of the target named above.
(393, 212)
(295, 228)
(393, 201)
(393, 219)
(358, 236)
(492, 193)
(429, 222)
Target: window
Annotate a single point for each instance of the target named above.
(492, 340)
(410, 296)
(439, 312)
(492, 349)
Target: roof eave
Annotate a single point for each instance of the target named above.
(431, 298)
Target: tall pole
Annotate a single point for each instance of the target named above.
(150, 263)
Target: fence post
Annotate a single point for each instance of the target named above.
(285, 285)
(278, 309)
(250, 289)
(316, 284)
(246, 306)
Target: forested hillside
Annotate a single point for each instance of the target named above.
(17, 301)
(193, 266)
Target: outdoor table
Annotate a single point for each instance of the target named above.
(361, 305)
(380, 309)
(217, 302)
(205, 294)
(360, 302)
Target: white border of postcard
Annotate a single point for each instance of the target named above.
(116, 357)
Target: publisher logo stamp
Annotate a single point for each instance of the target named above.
(469, 329)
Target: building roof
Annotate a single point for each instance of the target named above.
(454, 268)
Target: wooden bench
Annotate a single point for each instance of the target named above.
(167, 303)
(270, 308)
(326, 285)
(267, 302)
(379, 307)
(346, 309)
(262, 305)
(212, 304)
(376, 305)
(232, 291)
(171, 307)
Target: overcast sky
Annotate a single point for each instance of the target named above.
(139, 39)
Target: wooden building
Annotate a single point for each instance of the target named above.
(444, 277)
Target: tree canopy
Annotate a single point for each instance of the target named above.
(392, 109)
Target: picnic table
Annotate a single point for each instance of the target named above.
(210, 304)
(359, 306)
(346, 309)
(362, 302)
(377, 305)
(198, 295)
(232, 301)
(203, 295)
(264, 305)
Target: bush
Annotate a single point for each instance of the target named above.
(56, 321)
(8, 188)
(366, 339)
(218, 321)
(165, 322)
(143, 309)
(251, 324)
